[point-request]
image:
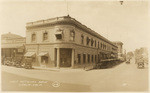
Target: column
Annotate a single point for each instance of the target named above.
(72, 60)
(39, 60)
(58, 57)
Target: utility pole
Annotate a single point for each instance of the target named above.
(67, 11)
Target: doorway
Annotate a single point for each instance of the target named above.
(84, 58)
(44, 61)
(65, 57)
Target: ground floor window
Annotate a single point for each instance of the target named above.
(95, 58)
(84, 58)
(44, 60)
(88, 58)
(79, 58)
(92, 59)
(65, 57)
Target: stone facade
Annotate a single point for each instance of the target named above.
(64, 42)
(120, 48)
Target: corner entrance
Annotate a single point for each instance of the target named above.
(65, 57)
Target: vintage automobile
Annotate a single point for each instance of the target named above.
(140, 65)
(128, 61)
(28, 63)
(8, 61)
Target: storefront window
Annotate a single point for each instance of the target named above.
(88, 58)
(95, 58)
(92, 58)
(79, 59)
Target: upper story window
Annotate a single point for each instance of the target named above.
(98, 44)
(59, 34)
(87, 40)
(104, 46)
(92, 42)
(72, 35)
(33, 37)
(95, 43)
(45, 36)
(82, 39)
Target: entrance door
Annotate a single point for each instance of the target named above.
(65, 57)
(44, 61)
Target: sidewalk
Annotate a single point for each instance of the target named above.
(58, 69)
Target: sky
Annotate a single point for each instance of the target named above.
(128, 23)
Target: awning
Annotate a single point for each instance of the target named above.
(58, 32)
(43, 54)
(29, 54)
(112, 55)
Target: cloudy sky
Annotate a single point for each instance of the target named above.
(127, 23)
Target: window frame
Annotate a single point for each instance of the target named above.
(44, 36)
(72, 35)
(32, 37)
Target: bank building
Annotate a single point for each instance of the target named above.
(65, 42)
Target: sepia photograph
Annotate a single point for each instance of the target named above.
(74, 45)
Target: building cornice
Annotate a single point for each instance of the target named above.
(65, 20)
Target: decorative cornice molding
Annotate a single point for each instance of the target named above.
(65, 21)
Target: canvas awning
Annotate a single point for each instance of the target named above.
(58, 32)
(29, 54)
(112, 55)
(43, 54)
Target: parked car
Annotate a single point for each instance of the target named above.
(8, 61)
(140, 65)
(28, 63)
(128, 61)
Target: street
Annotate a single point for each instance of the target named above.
(123, 77)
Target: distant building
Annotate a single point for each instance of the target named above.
(141, 53)
(120, 48)
(12, 45)
(65, 42)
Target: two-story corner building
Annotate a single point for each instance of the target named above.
(120, 48)
(65, 42)
(12, 45)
